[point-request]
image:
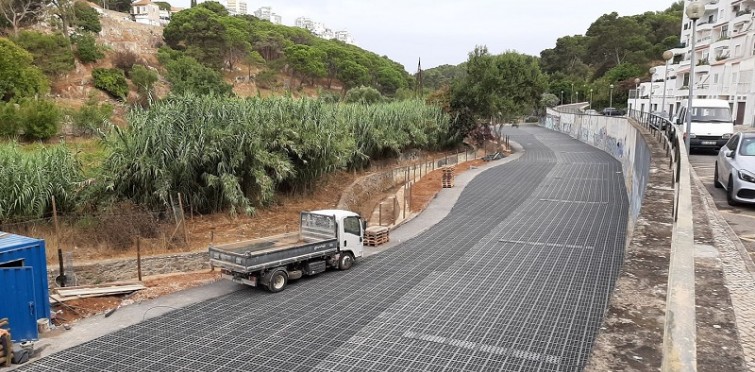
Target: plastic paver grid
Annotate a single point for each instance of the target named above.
(516, 277)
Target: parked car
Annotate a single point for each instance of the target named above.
(735, 169)
(591, 112)
(612, 111)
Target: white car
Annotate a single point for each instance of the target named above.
(735, 169)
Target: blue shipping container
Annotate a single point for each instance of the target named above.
(24, 291)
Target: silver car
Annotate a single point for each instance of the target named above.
(735, 168)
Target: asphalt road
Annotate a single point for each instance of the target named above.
(741, 218)
(515, 278)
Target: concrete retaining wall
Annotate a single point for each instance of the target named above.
(617, 137)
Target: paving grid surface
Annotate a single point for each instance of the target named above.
(515, 278)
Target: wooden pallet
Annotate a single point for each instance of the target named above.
(6, 346)
(376, 235)
(447, 178)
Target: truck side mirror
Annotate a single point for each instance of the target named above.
(729, 154)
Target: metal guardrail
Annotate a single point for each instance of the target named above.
(667, 133)
(680, 333)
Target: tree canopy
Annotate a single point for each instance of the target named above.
(496, 87)
(217, 40)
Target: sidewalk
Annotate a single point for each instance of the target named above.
(732, 259)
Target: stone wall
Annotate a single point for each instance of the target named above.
(126, 269)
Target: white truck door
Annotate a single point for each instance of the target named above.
(351, 237)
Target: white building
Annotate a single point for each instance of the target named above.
(344, 36)
(319, 29)
(236, 7)
(724, 62)
(148, 13)
(266, 13)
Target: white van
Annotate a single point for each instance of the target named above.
(712, 124)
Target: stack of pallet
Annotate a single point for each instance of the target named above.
(448, 176)
(6, 346)
(376, 235)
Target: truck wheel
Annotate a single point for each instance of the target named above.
(346, 261)
(278, 281)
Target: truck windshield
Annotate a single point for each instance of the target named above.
(708, 114)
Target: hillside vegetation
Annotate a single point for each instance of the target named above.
(614, 50)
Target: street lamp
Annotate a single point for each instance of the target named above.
(610, 96)
(590, 98)
(562, 97)
(571, 94)
(667, 55)
(636, 92)
(577, 96)
(694, 11)
(650, 97)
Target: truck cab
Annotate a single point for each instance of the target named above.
(711, 124)
(349, 230)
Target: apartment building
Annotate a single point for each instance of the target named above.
(266, 13)
(319, 29)
(724, 62)
(236, 7)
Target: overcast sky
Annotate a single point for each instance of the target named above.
(444, 31)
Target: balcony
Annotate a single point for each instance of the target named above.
(722, 42)
(742, 16)
(703, 42)
(707, 26)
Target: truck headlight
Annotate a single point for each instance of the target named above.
(726, 136)
(746, 176)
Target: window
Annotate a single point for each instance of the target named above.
(748, 147)
(738, 50)
(710, 18)
(712, 114)
(351, 225)
(685, 83)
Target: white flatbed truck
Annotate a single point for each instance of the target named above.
(326, 239)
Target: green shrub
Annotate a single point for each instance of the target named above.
(52, 53)
(112, 81)
(9, 119)
(143, 78)
(363, 94)
(87, 49)
(18, 78)
(266, 79)
(93, 117)
(40, 119)
(87, 19)
(186, 75)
